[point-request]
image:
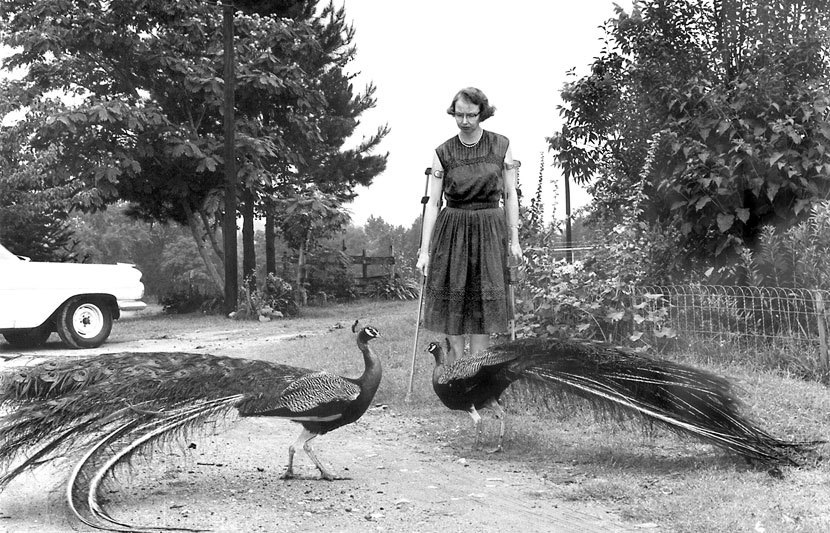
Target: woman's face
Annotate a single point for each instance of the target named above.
(467, 115)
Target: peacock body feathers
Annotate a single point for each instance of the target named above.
(679, 397)
(102, 410)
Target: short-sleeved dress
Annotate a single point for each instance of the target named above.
(466, 286)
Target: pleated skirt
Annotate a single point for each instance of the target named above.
(466, 285)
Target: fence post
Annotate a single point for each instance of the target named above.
(633, 291)
(365, 268)
(821, 321)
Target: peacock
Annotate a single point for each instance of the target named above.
(104, 409)
(682, 398)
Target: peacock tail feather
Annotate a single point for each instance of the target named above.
(684, 399)
(61, 406)
(105, 410)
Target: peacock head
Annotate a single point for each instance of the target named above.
(367, 333)
(437, 352)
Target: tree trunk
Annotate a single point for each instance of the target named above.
(199, 237)
(231, 288)
(299, 291)
(270, 245)
(248, 251)
(211, 233)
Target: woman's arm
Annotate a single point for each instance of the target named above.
(434, 191)
(511, 205)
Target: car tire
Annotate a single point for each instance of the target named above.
(84, 323)
(28, 338)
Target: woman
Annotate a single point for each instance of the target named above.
(464, 248)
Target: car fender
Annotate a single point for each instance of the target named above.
(40, 317)
(31, 292)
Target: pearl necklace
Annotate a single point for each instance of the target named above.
(471, 145)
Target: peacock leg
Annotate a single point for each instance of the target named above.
(479, 343)
(500, 416)
(325, 474)
(477, 424)
(304, 437)
(455, 348)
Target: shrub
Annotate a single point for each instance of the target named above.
(189, 301)
(273, 299)
(394, 289)
(593, 298)
(279, 295)
(330, 277)
(797, 257)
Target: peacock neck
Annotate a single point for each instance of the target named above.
(372, 370)
(438, 371)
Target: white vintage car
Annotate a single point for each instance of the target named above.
(77, 300)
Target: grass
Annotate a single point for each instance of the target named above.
(648, 477)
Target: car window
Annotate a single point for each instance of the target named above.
(6, 255)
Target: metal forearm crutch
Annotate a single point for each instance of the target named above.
(424, 201)
(511, 296)
(512, 270)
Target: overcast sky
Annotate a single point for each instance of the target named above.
(419, 54)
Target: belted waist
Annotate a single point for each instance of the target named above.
(473, 206)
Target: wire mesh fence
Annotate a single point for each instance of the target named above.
(752, 317)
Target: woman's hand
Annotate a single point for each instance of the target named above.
(516, 253)
(423, 263)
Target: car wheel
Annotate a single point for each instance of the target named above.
(84, 323)
(28, 338)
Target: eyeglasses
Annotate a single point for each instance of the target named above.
(468, 116)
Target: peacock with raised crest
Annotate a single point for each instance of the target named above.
(104, 409)
(684, 399)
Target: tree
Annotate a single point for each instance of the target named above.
(334, 169)
(33, 214)
(112, 237)
(383, 236)
(164, 253)
(307, 218)
(142, 120)
(707, 117)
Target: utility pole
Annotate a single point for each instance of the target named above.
(229, 223)
(569, 253)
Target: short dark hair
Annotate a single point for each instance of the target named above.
(476, 97)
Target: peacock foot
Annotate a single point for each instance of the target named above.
(497, 449)
(328, 476)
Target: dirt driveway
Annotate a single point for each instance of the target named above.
(401, 478)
